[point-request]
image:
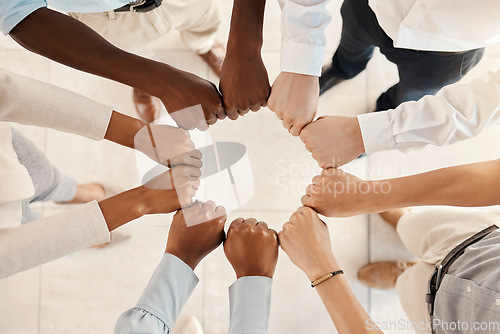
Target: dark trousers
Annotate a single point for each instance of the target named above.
(420, 72)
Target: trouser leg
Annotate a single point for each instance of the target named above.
(49, 183)
(412, 288)
(424, 73)
(200, 30)
(360, 34)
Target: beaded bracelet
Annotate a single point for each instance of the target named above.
(324, 278)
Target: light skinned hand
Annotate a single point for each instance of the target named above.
(294, 99)
(173, 145)
(244, 83)
(191, 101)
(193, 243)
(306, 241)
(252, 248)
(333, 140)
(336, 193)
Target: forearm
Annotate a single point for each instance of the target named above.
(344, 308)
(466, 185)
(122, 129)
(70, 42)
(124, 207)
(458, 112)
(247, 20)
(30, 245)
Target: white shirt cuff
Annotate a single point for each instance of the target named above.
(302, 58)
(376, 132)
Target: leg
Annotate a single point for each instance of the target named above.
(431, 234)
(412, 288)
(424, 73)
(356, 43)
(198, 24)
(360, 34)
(49, 183)
(199, 30)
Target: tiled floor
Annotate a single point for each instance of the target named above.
(86, 292)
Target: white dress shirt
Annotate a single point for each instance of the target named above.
(169, 289)
(457, 112)
(303, 24)
(439, 25)
(27, 101)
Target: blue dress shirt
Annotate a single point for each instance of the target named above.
(14, 11)
(171, 286)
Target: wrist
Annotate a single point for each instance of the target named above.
(122, 129)
(192, 262)
(357, 136)
(321, 269)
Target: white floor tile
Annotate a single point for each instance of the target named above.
(19, 305)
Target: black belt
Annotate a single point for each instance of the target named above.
(140, 6)
(443, 267)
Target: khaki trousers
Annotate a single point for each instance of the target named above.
(197, 21)
(431, 235)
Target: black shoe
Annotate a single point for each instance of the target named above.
(327, 79)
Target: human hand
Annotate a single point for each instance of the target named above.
(306, 241)
(243, 83)
(168, 145)
(171, 190)
(192, 243)
(336, 193)
(294, 99)
(191, 101)
(251, 248)
(333, 140)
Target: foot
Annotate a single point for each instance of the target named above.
(148, 107)
(393, 216)
(382, 275)
(87, 193)
(328, 79)
(215, 57)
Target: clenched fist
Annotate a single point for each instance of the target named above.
(244, 83)
(167, 145)
(171, 190)
(336, 193)
(294, 99)
(306, 241)
(192, 102)
(251, 248)
(333, 140)
(192, 243)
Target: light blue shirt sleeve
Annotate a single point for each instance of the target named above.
(170, 287)
(250, 305)
(14, 11)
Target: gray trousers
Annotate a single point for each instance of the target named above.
(50, 184)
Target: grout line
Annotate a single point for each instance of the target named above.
(368, 217)
(39, 299)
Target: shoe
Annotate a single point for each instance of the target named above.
(327, 80)
(148, 107)
(215, 57)
(189, 325)
(382, 275)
